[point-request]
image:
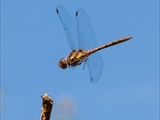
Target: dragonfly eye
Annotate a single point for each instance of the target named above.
(62, 63)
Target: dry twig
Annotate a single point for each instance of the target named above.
(46, 107)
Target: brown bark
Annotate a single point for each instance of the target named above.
(46, 107)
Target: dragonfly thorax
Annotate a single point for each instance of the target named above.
(75, 58)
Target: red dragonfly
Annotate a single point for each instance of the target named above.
(82, 41)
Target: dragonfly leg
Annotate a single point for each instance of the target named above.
(73, 68)
(85, 63)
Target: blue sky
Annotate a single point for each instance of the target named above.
(33, 41)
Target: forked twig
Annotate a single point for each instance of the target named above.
(46, 107)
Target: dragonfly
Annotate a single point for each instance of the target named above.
(82, 41)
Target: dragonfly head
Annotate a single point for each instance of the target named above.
(62, 63)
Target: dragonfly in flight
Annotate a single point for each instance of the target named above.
(82, 41)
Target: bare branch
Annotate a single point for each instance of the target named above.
(46, 107)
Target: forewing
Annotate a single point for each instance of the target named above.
(86, 34)
(69, 26)
(95, 66)
(87, 40)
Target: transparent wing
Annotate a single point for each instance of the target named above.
(69, 26)
(87, 40)
(95, 66)
(86, 34)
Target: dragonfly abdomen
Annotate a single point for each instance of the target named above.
(109, 44)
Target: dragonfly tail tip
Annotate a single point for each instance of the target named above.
(129, 37)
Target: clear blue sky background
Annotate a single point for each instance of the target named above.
(33, 41)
